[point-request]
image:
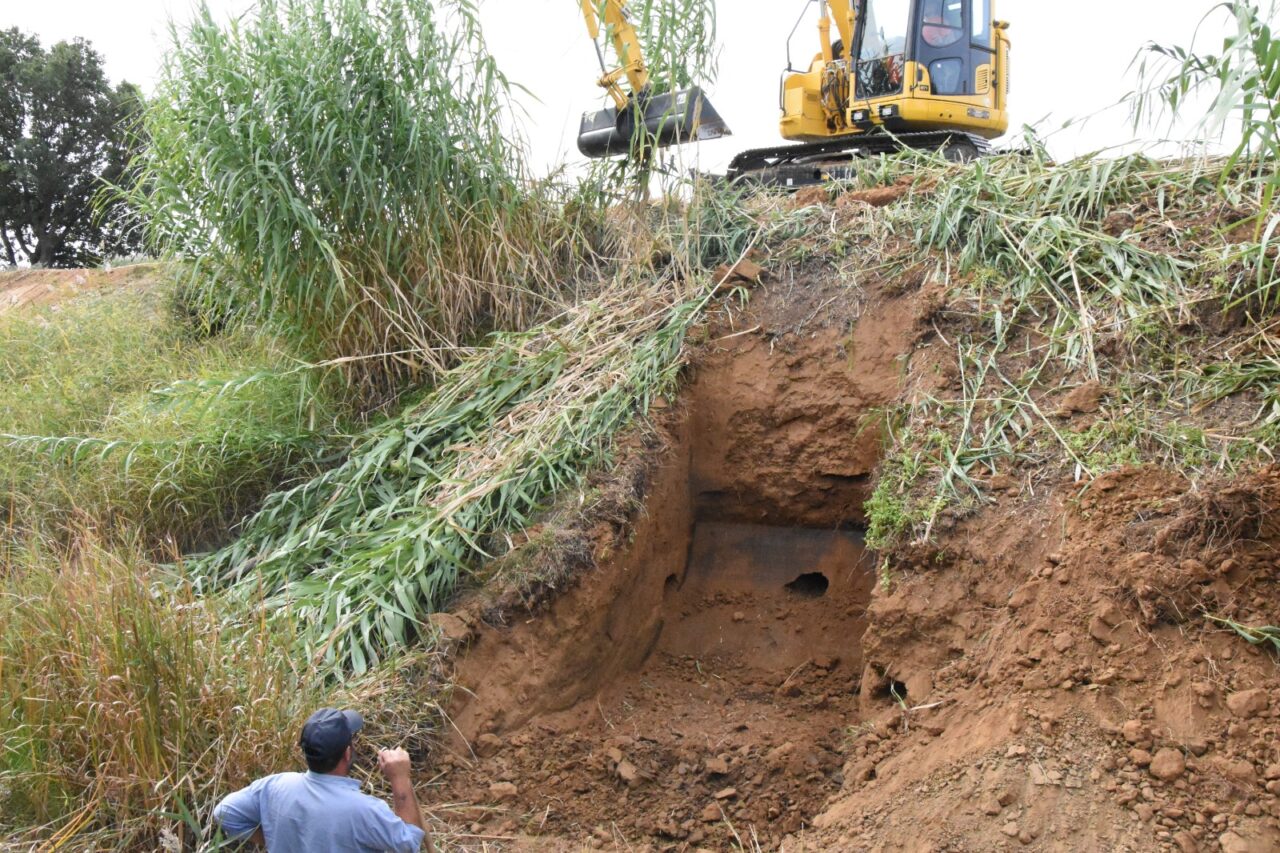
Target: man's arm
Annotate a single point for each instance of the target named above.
(394, 764)
(240, 813)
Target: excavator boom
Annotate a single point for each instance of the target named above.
(639, 120)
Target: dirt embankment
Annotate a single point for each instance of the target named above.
(33, 288)
(732, 669)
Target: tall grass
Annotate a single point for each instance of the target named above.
(339, 167)
(85, 438)
(1243, 80)
(130, 704)
(679, 39)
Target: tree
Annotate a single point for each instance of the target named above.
(65, 133)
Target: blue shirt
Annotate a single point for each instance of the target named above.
(315, 813)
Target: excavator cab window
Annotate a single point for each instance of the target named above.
(942, 22)
(882, 57)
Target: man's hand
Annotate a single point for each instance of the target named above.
(394, 764)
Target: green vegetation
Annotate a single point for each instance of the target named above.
(1244, 80)
(87, 433)
(681, 49)
(1258, 635)
(130, 702)
(208, 532)
(337, 168)
(64, 130)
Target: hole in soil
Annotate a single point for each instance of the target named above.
(719, 652)
(812, 584)
(891, 689)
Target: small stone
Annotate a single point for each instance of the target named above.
(1140, 757)
(1248, 703)
(1233, 843)
(1134, 731)
(726, 793)
(503, 791)
(1186, 842)
(717, 766)
(627, 772)
(1145, 812)
(487, 745)
(1168, 764)
(990, 806)
(739, 616)
(1006, 798)
(1010, 829)
(1063, 641)
(1272, 772)
(710, 814)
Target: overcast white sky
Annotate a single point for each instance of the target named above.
(1070, 59)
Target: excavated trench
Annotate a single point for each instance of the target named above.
(704, 681)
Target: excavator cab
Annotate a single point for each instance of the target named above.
(639, 120)
(916, 66)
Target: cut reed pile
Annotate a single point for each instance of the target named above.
(1126, 272)
(361, 553)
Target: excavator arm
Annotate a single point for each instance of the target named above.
(639, 120)
(626, 43)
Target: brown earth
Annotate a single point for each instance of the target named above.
(1043, 677)
(30, 288)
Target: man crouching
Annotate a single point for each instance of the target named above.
(323, 810)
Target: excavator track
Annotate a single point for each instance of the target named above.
(806, 164)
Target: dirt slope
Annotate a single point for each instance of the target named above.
(728, 667)
(42, 287)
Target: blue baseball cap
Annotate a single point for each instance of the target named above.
(328, 732)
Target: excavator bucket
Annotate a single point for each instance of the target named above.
(671, 119)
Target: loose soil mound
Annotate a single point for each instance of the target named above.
(1043, 677)
(42, 287)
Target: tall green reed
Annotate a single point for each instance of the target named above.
(340, 167)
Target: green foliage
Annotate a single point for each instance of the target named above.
(679, 38)
(83, 433)
(1244, 79)
(362, 552)
(889, 511)
(64, 131)
(1257, 635)
(339, 168)
(128, 700)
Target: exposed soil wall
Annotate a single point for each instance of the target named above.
(702, 680)
(1043, 677)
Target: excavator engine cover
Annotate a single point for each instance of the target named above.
(670, 119)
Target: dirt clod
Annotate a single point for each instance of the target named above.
(1248, 703)
(1168, 764)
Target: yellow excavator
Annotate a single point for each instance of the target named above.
(888, 75)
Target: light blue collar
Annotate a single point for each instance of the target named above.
(330, 779)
